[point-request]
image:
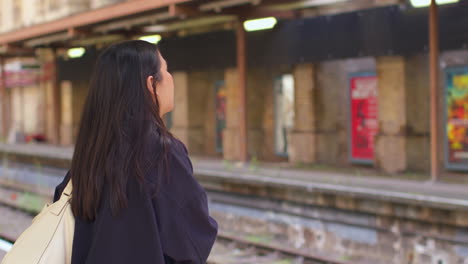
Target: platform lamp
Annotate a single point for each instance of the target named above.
(151, 38)
(426, 3)
(77, 52)
(260, 24)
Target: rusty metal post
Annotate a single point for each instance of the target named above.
(3, 100)
(242, 83)
(56, 99)
(434, 84)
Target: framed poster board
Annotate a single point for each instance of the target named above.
(363, 116)
(220, 113)
(456, 118)
(283, 106)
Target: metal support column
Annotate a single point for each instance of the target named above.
(3, 100)
(56, 99)
(434, 84)
(242, 83)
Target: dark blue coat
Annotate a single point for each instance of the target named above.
(172, 227)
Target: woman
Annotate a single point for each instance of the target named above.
(134, 197)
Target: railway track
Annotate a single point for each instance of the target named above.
(232, 249)
(229, 249)
(13, 221)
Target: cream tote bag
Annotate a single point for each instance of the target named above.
(49, 239)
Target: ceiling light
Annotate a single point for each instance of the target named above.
(260, 24)
(76, 52)
(151, 38)
(425, 3)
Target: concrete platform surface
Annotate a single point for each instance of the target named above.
(446, 194)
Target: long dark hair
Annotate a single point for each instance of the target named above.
(120, 117)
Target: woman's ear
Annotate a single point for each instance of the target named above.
(149, 84)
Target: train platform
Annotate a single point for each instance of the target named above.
(395, 189)
(446, 195)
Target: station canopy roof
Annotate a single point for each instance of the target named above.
(139, 17)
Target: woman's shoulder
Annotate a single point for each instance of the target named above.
(179, 147)
(177, 182)
(180, 163)
(180, 153)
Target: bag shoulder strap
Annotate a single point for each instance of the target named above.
(68, 189)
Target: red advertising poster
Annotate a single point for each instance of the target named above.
(364, 123)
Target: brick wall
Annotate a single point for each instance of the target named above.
(332, 106)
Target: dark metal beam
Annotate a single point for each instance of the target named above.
(14, 50)
(242, 86)
(184, 11)
(126, 8)
(74, 32)
(3, 100)
(250, 12)
(434, 84)
(56, 102)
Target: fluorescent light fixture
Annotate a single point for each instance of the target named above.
(76, 52)
(425, 3)
(260, 24)
(151, 38)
